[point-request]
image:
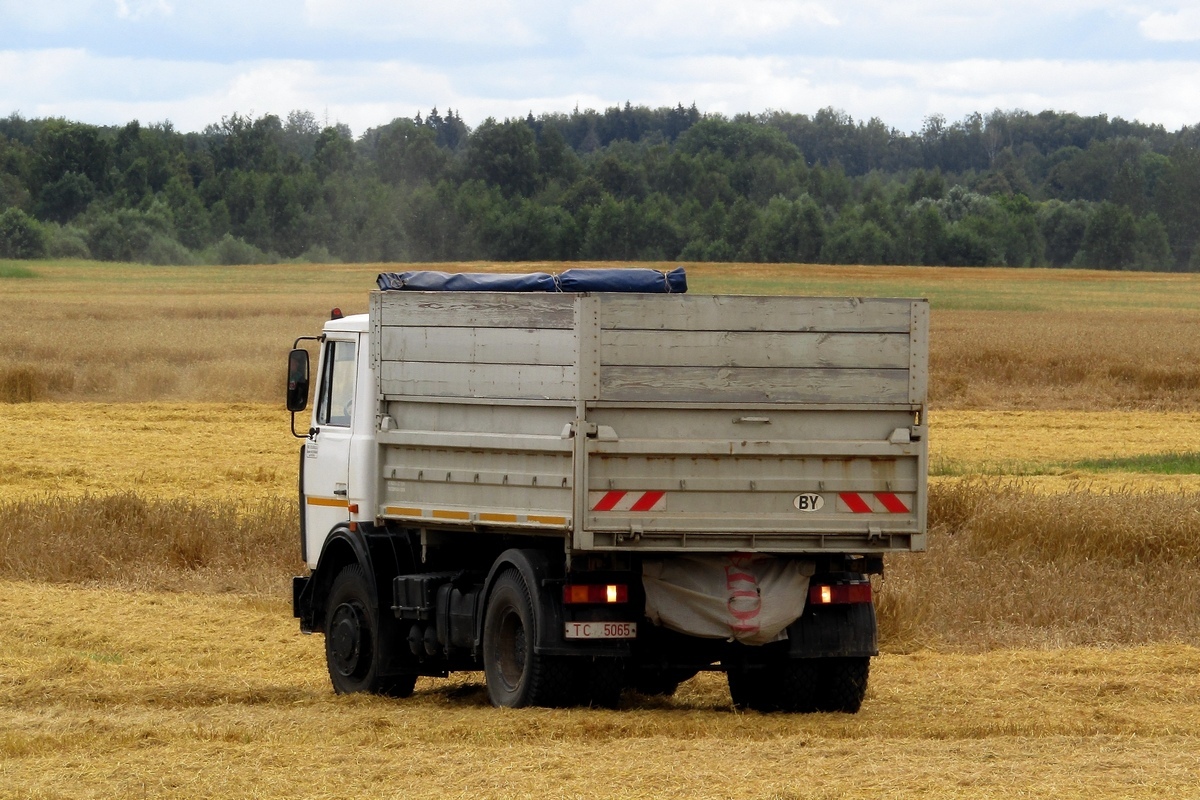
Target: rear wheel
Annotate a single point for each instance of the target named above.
(355, 642)
(801, 685)
(752, 686)
(516, 675)
(843, 684)
(798, 682)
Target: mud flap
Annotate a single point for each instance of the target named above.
(834, 631)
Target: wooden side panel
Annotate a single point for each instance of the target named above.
(476, 345)
(479, 345)
(735, 313)
(477, 310)
(750, 385)
(499, 381)
(700, 349)
(756, 349)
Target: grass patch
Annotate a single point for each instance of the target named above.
(1144, 464)
(1153, 463)
(16, 271)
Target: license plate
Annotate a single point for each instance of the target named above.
(601, 630)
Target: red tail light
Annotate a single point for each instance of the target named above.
(580, 593)
(839, 594)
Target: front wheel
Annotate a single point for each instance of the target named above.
(516, 675)
(354, 642)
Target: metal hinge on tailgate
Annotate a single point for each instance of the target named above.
(592, 431)
(906, 435)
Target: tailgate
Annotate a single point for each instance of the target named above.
(755, 423)
(792, 481)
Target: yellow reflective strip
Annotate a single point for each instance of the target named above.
(486, 517)
(439, 513)
(402, 512)
(547, 520)
(332, 502)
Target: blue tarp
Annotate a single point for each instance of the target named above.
(650, 281)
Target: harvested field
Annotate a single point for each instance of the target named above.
(92, 492)
(1045, 646)
(188, 696)
(1001, 339)
(229, 452)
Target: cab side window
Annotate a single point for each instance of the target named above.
(336, 405)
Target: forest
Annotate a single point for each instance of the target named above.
(1007, 188)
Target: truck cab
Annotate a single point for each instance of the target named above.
(338, 464)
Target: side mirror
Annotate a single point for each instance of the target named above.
(297, 387)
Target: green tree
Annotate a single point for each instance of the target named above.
(923, 234)
(1062, 226)
(505, 155)
(64, 198)
(1110, 239)
(853, 240)
(64, 148)
(786, 232)
(333, 152)
(408, 153)
(190, 218)
(21, 236)
(1176, 200)
(1151, 247)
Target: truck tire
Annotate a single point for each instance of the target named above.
(752, 689)
(797, 685)
(516, 675)
(843, 684)
(353, 640)
(778, 684)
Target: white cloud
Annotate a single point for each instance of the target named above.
(140, 9)
(672, 24)
(1181, 26)
(503, 22)
(902, 94)
(49, 15)
(74, 83)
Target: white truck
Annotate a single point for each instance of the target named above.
(605, 488)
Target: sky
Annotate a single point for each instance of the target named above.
(364, 63)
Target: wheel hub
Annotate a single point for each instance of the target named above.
(345, 638)
(512, 649)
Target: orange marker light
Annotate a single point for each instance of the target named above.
(595, 593)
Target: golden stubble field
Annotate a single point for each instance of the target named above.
(111, 693)
(1044, 647)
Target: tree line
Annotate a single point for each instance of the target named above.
(1009, 188)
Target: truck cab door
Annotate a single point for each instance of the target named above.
(327, 453)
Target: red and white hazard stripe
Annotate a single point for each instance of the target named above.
(872, 503)
(628, 501)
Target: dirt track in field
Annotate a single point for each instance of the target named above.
(106, 693)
